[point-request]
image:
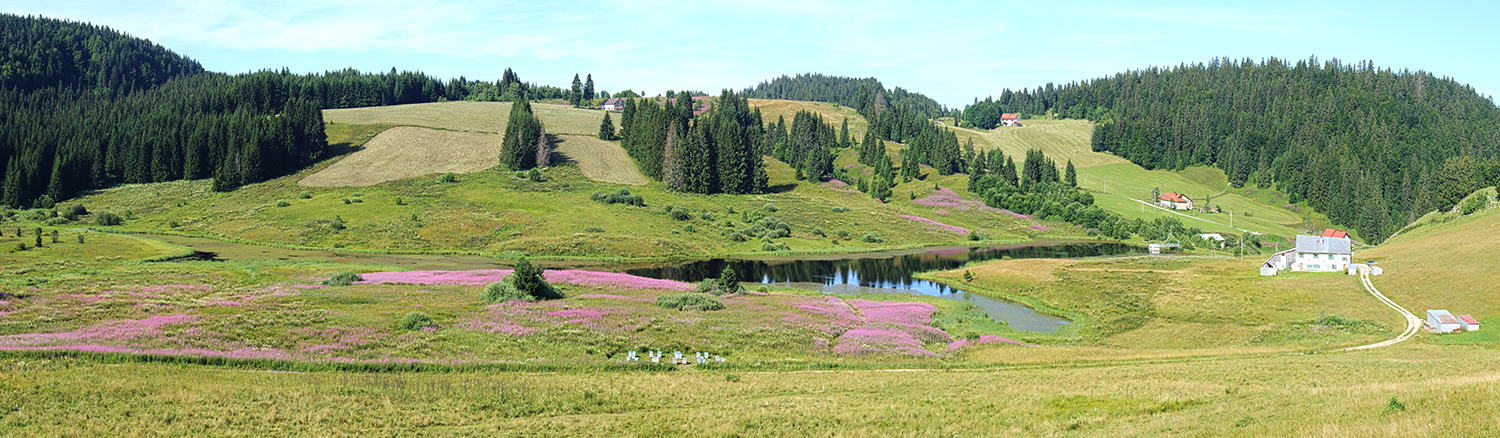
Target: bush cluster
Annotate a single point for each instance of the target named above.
(689, 302)
(593, 230)
(502, 291)
(282, 203)
(677, 213)
(72, 213)
(622, 196)
(841, 209)
(872, 237)
(416, 321)
(108, 219)
(768, 227)
(343, 279)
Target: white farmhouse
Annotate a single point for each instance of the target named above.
(1330, 252)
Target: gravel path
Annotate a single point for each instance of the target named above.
(1412, 322)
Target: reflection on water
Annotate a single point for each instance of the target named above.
(892, 273)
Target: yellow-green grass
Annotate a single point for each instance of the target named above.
(1442, 265)
(1061, 140)
(1182, 303)
(1437, 390)
(833, 114)
(488, 117)
(98, 251)
(599, 160)
(409, 151)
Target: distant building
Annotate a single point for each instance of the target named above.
(1010, 119)
(1211, 236)
(613, 104)
(1470, 324)
(1443, 322)
(1175, 201)
(1330, 252)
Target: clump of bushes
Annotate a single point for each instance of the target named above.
(343, 279)
(593, 230)
(399, 201)
(735, 236)
(528, 279)
(108, 219)
(282, 203)
(843, 234)
(535, 175)
(304, 195)
(502, 291)
(768, 227)
(819, 232)
(346, 201)
(622, 196)
(769, 208)
(677, 213)
(977, 235)
(689, 302)
(72, 213)
(872, 237)
(1475, 204)
(728, 283)
(447, 178)
(769, 246)
(416, 321)
(841, 209)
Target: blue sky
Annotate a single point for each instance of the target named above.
(952, 51)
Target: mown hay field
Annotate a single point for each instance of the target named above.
(600, 160)
(472, 116)
(408, 151)
(832, 113)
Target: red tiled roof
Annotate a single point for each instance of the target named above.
(1334, 233)
(1010, 116)
(1170, 196)
(1447, 319)
(1468, 319)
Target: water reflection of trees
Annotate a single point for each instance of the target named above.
(889, 272)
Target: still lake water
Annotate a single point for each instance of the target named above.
(881, 272)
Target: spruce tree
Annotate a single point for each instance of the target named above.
(576, 97)
(606, 128)
(1072, 175)
(588, 89)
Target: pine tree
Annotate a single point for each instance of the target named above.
(576, 97)
(606, 128)
(1072, 175)
(588, 90)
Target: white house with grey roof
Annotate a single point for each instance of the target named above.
(1330, 252)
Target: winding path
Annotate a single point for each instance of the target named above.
(1412, 322)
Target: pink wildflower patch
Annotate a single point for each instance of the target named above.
(487, 276)
(113, 331)
(891, 328)
(955, 229)
(1039, 227)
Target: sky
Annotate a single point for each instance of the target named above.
(954, 52)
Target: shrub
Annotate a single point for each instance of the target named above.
(678, 213)
(528, 279)
(502, 291)
(357, 200)
(338, 222)
(731, 377)
(20, 246)
(737, 237)
(282, 203)
(841, 209)
(977, 235)
(108, 219)
(689, 228)
(706, 216)
(769, 207)
(399, 201)
(729, 281)
(54, 236)
(593, 230)
(535, 175)
(520, 174)
(416, 321)
(80, 238)
(844, 234)
(44, 202)
(304, 195)
(1476, 204)
(622, 196)
(356, 194)
(689, 302)
(872, 237)
(343, 279)
(346, 201)
(819, 232)
(72, 213)
(448, 178)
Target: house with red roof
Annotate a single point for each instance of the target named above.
(1010, 119)
(1175, 201)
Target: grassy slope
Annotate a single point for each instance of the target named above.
(488, 117)
(1444, 265)
(493, 212)
(1064, 140)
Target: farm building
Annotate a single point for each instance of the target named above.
(1440, 321)
(1470, 324)
(613, 104)
(1330, 252)
(1010, 119)
(1175, 201)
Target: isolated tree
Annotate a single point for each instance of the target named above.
(527, 278)
(729, 281)
(606, 128)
